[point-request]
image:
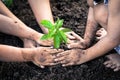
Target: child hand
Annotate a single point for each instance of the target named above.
(71, 57)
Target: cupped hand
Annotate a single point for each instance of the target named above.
(71, 57)
(75, 41)
(73, 36)
(44, 42)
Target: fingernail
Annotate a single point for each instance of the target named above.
(42, 67)
(63, 65)
(51, 47)
(68, 46)
(55, 59)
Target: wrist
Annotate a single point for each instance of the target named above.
(87, 43)
(27, 54)
(36, 36)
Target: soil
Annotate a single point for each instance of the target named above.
(74, 13)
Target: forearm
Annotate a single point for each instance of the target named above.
(90, 27)
(102, 47)
(5, 11)
(14, 54)
(9, 26)
(15, 23)
(41, 10)
(90, 31)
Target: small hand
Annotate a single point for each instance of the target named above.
(101, 33)
(43, 56)
(71, 57)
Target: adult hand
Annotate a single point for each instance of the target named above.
(75, 41)
(44, 42)
(43, 56)
(82, 44)
(28, 43)
(73, 36)
(71, 57)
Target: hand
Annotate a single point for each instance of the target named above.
(28, 43)
(73, 36)
(71, 57)
(101, 33)
(42, 56)
(82, 44)
(75, 41)
(44, 42)
(38, 42)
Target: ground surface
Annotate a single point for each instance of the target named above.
(74, 13)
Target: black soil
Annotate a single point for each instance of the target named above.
(74, 13)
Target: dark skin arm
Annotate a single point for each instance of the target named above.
(90, 28)
(89, 32)
(111, 40)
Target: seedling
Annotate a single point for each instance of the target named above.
(55, 32)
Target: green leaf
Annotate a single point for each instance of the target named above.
(56, 41)
(52, 32)
(63, 36)
(47, 24)
(59, 23)
(8, 3)
(44, 37)
(66, 30)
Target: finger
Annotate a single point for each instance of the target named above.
(116, 69)
(107, 62)
(70, 36)
(52, 51)
(64, 62)
(69, 64)
(77, 36)
(113, 66)
(98, 34)
(98, 38)
(62, 54)
(42, 66)
(38, 64)
(51, 64)
(70, 41)
(102, 29)
(74, 45)
(45, 42)
(59, 59)
(108, 65)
